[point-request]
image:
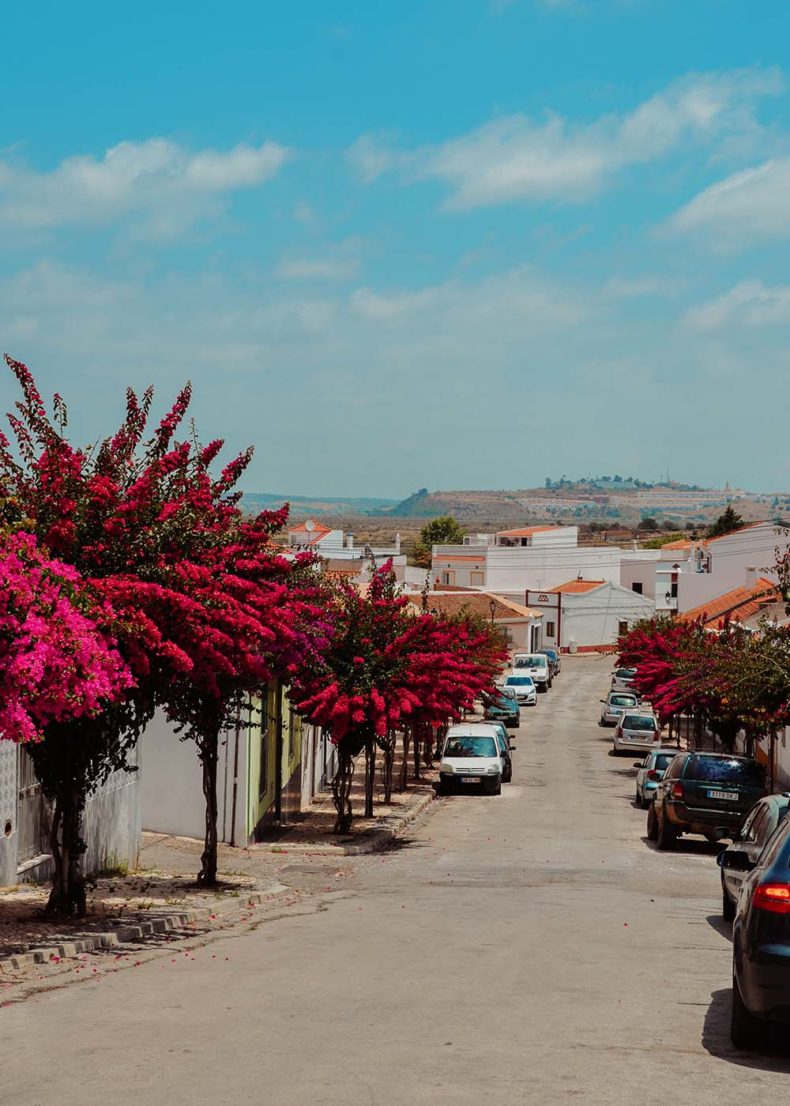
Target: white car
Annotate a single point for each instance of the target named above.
(471, 757)
(524, 687)
(535, 665)
(623, 679)
(616, 704)
(637, 731)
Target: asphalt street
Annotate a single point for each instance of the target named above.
(527, 948)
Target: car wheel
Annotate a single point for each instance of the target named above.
(652, 824)
(497, 788)
(443, 787)
(666, 836)
(727, 905)
(744, 1027)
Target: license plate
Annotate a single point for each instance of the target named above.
(469, 779)
(728, 796)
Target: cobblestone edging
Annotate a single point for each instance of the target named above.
(132, 932)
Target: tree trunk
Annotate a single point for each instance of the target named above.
(341, 790)
(404, 764)
(67, 897)
(389, 762)
(416, 740)
(209, 755)
(370, 774)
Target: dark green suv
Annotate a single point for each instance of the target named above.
(706, 793)
(502, 707)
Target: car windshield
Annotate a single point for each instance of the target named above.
(519, 681)
(662, 760)
(530, 662)
(622, 700)
(639, 722)
(470, 747)
(625, 673)
(746, 772)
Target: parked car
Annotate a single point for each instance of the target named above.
(535, 665)
(761, 942)
(502, 707)
(505, 751)
(706, 793)
(524, 687)
(623, 679)
(638, 730)
(764, 817)
(471, 757)
(650, 773)
(615, 705)
(554, 660)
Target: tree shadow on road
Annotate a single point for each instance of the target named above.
(716, 1039)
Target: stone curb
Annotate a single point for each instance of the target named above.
(372, 841)
(136, 931)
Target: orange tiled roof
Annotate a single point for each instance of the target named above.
(682, 543)
(737, 605)
(577, 587)
(686, 543)
(526, 531)
(477, 602)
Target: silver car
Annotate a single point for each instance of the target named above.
(616, 704)
(623, 679)
(638, 730)
(524, 687)
(651, 771)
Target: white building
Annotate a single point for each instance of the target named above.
(689, 573)
(340, 553)
(534, 557)
(587, 614)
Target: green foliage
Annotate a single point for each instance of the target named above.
(648, 524)
(444, 530)
(663, 539)
(726, 523)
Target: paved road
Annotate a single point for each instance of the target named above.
(523, 949)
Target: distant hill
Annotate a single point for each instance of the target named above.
(313, 505)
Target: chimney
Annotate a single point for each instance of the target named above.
(350, 541)
(397, 542)
(752, 574)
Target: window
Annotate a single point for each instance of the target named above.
(478, 578)
(637, 587)
(549, 629)
(448, 577)
(622, 626)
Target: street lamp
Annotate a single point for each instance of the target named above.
(492, 608)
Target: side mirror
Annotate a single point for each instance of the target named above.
(736, 860)
(512, 747)
(637, 764)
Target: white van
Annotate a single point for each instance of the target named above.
(535, 665)
(471, 757)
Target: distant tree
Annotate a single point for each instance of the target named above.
(444, 530)
(648, 524)
(728, 521)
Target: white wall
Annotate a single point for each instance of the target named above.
(593, 617)
(171, 790)
(515, 570)
(637, 568)
(729, 557)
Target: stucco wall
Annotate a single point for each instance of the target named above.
(593, 618)
(8, 800)
(112, 821)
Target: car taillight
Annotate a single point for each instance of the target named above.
(677, 791)
(774, 897)
(653, 775)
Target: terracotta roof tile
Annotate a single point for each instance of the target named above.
(477, 602)
(526, 531)
(577, 587)
(736, 605)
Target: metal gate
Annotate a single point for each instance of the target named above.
(31, 812)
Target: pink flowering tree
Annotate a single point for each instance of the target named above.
(60, 672)
(206, 608)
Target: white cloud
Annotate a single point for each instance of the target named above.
(158, 180)
(749, 303)
(630, 288)
(520, 158)
(752, 205)
(318, 268)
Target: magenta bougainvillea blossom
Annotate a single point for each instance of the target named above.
(56, 664)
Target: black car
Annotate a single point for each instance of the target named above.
(502, 707)
(763, 819)
(761, 942)
(706, 793)
(554, 660)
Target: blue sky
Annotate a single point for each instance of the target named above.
(451, 243)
